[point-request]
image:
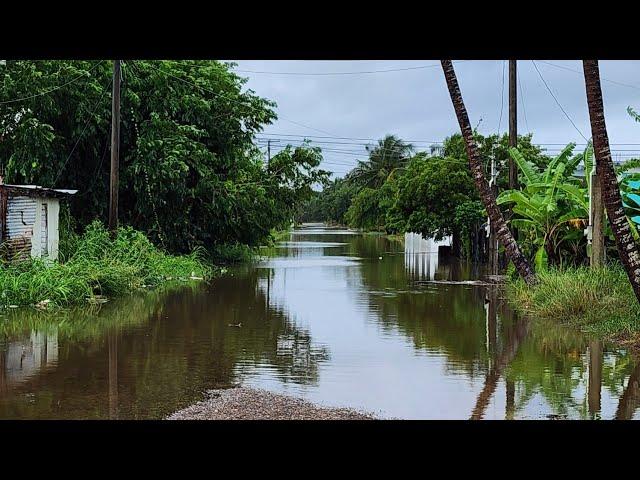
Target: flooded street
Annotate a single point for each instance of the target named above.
(337, 317)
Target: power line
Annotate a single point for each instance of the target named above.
(501, 99)
(581, 73)
(343, 73)
(557, 102)
(524, 109)
(232, 100)
(45, 92)
(81, 133)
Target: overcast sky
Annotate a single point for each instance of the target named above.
(414, 104)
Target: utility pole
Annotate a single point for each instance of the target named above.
(493, 238)
(268, 152)
(513, 130)
(596, 211)
(115, 148)
(513, 122)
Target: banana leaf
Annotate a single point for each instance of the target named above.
(541, 260)
(527, 168)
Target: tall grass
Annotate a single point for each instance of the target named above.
(597, 300)
(96, 264)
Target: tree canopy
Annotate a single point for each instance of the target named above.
(190, 173)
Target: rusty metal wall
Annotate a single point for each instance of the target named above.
(21, 216)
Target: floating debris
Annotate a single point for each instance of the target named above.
(97, 299)
(452, 282)
(43, 304)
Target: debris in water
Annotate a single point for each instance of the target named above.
(43, 304)
(97, 299)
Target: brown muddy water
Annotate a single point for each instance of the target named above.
(339, 318)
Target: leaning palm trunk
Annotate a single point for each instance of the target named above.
(627, 248)
(512, 250)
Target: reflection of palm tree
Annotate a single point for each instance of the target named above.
(388, 155)
(518, 333)
(630, 399)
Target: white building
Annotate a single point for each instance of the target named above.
(416, 243)
(29, 221)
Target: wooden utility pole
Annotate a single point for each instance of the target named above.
(493, 236)
(268, 152)
(597, 258)
(595, 377)
(115, 148)
(513, 123)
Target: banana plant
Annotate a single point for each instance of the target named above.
(630, 191)
(553, 205)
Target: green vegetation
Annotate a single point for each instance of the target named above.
(398, 190)
(95, 264)
(552, 208)
(191, 174)
(596, 300)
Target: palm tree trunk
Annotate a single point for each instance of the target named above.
(627, 248)
(512, 250)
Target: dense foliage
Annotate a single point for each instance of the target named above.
(398, 190)
(95, 263)
(437, 197)
(551, 209)
(190, 174)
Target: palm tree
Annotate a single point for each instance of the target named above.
(512, 250)
(626, 245)
(390, 154)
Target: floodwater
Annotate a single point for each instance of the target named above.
(340, 318)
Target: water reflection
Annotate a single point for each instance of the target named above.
(338, 317)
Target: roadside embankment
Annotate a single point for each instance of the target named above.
(598, 301)
(93, 266)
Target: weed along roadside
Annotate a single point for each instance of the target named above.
(93, 267)
(598, 301)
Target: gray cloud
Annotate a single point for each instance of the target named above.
(415, 105)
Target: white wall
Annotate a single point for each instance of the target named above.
(416, 243)
(53, 212)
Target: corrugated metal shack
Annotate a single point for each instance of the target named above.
(29, 221)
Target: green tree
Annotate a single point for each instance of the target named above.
(390, 154)
(437, 197)
(190, 173)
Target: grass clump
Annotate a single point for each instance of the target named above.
(96, 264)
(232, 253)
(596, 300)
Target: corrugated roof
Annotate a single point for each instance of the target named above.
(39, 190)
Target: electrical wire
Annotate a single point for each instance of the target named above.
(557, 102)
(45, 92)
(524, 109)
(501, 99)
(217, 94)
(343, 73)
(615, 82)
(64, 164)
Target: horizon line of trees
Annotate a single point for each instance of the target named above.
(432, 192)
